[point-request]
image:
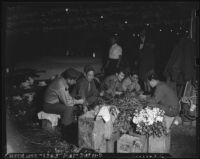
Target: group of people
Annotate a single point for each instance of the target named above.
(76, 91)
(73, 90)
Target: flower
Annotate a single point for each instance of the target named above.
(148, 121)
(19, 98)
(42, 83)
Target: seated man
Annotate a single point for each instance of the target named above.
(86, 88)
(59, 101)
(112, 85)
(131, 83)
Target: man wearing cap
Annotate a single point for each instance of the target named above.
(58, 101)
(86, 88)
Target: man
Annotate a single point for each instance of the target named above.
(166, 97)
(131, 83)
(114, 58)
(112, 85)
(59, 101)
(86, 88)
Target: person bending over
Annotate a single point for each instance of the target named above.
(166, 97)
(59, 101)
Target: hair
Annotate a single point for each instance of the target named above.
(71, 74)
(153, 77)
(123, 70)
(134, 72)
(88, 68)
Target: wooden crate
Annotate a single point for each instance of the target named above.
(91, 133)
(131, 144)
(160, 144)
(111, 145)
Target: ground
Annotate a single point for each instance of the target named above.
(31, 138)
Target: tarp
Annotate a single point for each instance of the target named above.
(181, 65)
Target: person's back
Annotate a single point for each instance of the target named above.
(169, 96)
(52, 92)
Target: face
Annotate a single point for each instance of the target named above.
(90, 76)
(120, 76)
(71, 81)
(153, 83)
(112, 40)
(134, 78)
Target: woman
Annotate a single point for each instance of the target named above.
(59, 101)
(86, 88)
(166, 97)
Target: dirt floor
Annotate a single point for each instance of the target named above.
(35, 140)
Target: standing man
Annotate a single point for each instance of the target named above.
(114, 58)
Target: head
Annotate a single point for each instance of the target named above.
(113, 40)
(89, 72)
(121, 74)
(134, 77)
(153, 80)
(71, 75)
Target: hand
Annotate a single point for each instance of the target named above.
(85, 109)
(142, 96)
(118, 93)
(101, 93)
(80, 101)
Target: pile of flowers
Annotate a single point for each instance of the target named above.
(149, 121)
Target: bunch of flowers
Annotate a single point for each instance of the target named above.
(149, 121)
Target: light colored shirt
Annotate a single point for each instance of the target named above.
(57, 92)
(127, 84)
(115, 51)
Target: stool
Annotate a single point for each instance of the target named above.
(49, 121)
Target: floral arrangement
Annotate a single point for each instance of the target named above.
(149, 121)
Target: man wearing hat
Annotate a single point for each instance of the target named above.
(86, 88)
(58, 101)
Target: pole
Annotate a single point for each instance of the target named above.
(191, 22)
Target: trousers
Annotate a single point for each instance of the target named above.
(66, 112)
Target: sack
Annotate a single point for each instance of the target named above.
(186, 114)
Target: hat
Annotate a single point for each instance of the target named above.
(88, 68)
(71, 73)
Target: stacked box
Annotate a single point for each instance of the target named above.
(132, 144)
(160, 144)
(91, 133)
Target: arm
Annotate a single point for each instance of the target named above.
(158, 95)
(137, 87)
(65, 97)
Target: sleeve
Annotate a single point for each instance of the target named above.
(81, 90)
(137, 87)
(158, 95)
(125, 84)
(65, 97)
(95, 90)
(120, 51)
